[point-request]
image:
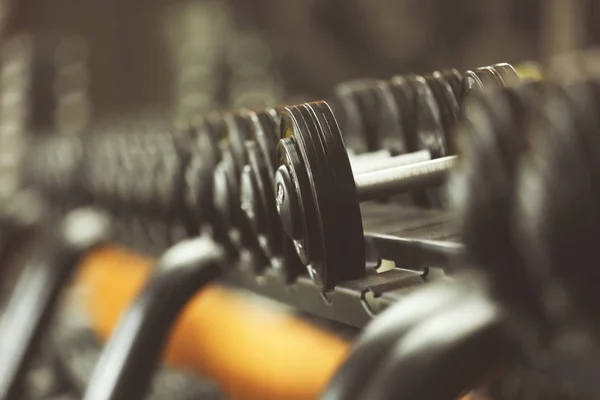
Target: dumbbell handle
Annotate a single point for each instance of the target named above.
(363, 164)
(401, 179)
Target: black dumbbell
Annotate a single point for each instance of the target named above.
(245, 198)
(557, 214)
(378, 114)
(412, 113)
(236, 130)
(257, 189)
(318, 196)
(491, 141)
(34, 98)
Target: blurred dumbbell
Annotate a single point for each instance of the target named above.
(412, 113)
(44, 86)
(318, 195)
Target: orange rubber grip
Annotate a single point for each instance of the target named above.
(254, 352)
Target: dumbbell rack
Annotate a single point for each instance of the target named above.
(420, 238)
(421, 243)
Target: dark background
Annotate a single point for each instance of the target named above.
(250, 52)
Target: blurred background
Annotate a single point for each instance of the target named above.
(188, 57)
(203, 54)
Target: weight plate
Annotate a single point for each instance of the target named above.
(404, 96)
(430, 136)
(507, 74)
(496, 82)
(237, 131)
(350, 117)
(390, 123)
(491, 147)
(199, 179)
(369, 105)
(350, 264)
(300, 125)
(479, 79)
(265, 133)
(455, 79)
(251, 203)
(579, 190)
(447, 104)
(325, 200)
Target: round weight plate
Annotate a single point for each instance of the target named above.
(350, 117)
(497, 142)
(404, 96)
(430, 132)
(495, 79)
(237, 131)
(199, 179)
(389, 126)
(430, 136)
(222, 192)
(447, 103)
(265, 133)
(557, 200)
(455, 79)
(211, 127)
(369, 105)
(485, 211)
(325, 199)
(507, 74)
(479, 79)
(350, 264)
(300, 125)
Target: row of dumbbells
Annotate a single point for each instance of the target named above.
(525, 187)
(526, 191)
(528, 221)
(165, 181)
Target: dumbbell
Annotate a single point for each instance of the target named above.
(361, 105)
(557, 214)
(156, 182)
(487, 184)
(244, 186)
(318, 196)
(237, 129)
(540, 252)
(412, 113)
(377, 114)
(532, 228)
(252, 135)
(34, 97)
